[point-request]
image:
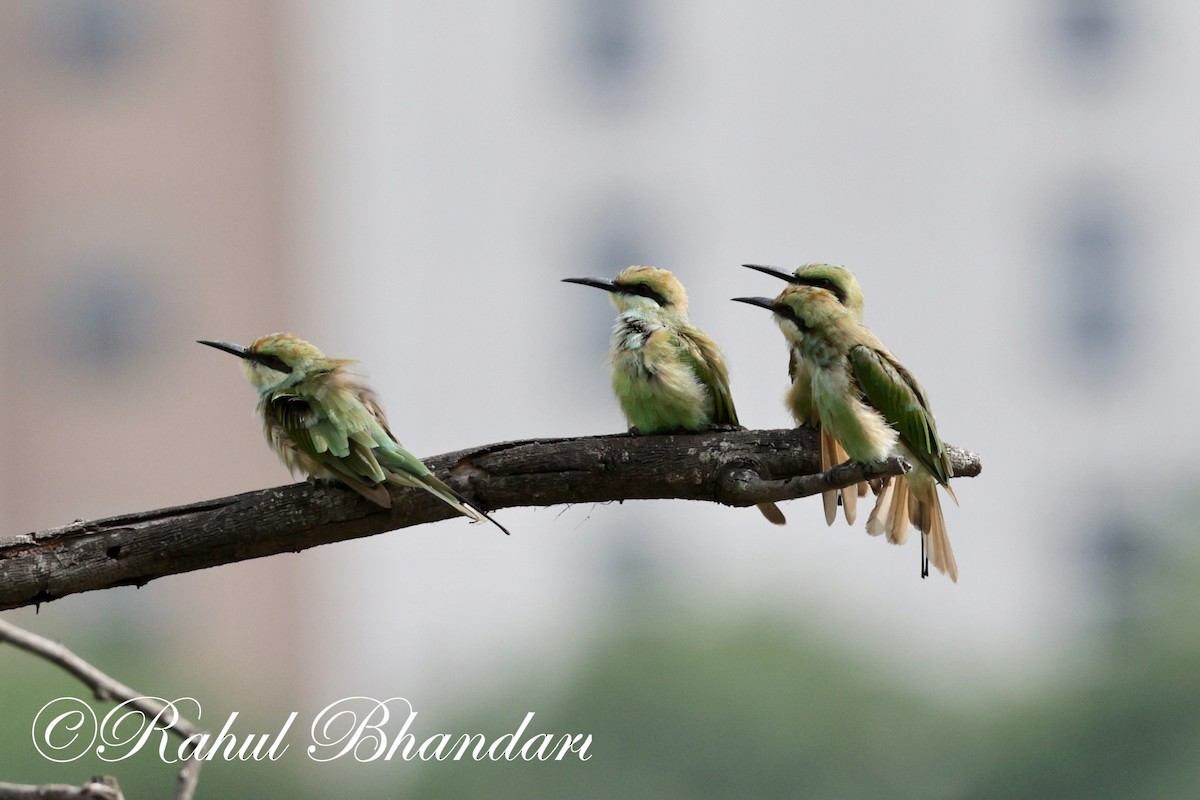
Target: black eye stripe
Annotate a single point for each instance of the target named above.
(788, 313)
(823, 283)
(642, 290)
(272, 362)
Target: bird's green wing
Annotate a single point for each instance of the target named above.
(799, 397)
(701, 355)
(407, 470)
(396, 459)
(891, 389)
(390, 453)
(346, 451)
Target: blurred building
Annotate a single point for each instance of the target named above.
(141, 207)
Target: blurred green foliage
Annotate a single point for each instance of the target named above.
(688, 708)
(758, 710)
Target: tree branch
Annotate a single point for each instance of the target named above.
(98, 788)
(104, 687)
(734, 467)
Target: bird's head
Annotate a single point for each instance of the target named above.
(642, 288)
(836, 280)
(801, 308)
(277, 361)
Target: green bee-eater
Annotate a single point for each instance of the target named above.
(667, 375)
(322, 420)
(875, 408)
(799, 395)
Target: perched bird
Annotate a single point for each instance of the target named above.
(875, 408)
(799, 395)
(322, 420)
(667, 375)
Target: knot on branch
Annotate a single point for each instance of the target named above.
(471, 482)
(102, 787)
(740, 484)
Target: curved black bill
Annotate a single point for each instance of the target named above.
(775, 272)
(271, 362)
(607, 286)
(761, 302)
(235, 349)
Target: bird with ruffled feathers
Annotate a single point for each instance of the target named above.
(668, 376)
(323, 421)
(874, 407)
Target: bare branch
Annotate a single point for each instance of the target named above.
(98, 788)
(189, 776)
(104, 687)
(733, 467)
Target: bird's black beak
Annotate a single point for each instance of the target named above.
(761, 302)
(235, 349)
(271, 362)
(607, 286)
(775, 272)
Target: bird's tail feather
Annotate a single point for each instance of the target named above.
(926, 512)
(829, 497)
(772, 513)
(950, 492)
(832, 454)
(903, 500)
(890, 514)
(877, 521)
(377, 494)
(441, 490)
(898, 514)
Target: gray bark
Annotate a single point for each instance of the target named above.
(733, 467)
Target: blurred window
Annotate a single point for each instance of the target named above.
(91, 35)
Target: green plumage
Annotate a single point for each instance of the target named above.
(667, 375)
(344, 437)
(324, 422)
(840, 282)
(865, 399)
(895, 393)
(668, 380)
